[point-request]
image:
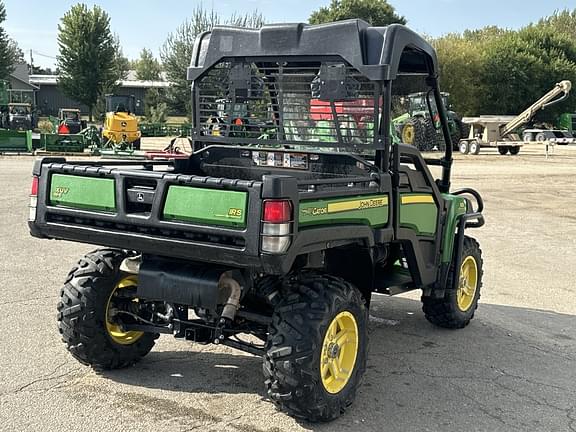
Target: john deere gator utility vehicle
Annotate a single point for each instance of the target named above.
(271, 243)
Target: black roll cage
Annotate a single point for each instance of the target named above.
(381, 54)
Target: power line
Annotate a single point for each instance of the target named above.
(44, 55)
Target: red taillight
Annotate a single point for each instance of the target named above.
(277, 211)
(33, 199)
(34, 189)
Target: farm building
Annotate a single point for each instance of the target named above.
(20, 88)
(49, 97)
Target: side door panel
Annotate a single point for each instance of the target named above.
(419, 215)
(418, 212)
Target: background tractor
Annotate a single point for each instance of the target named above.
(121, 129)
(567, 121)
(417, 127)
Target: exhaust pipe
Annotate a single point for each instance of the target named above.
(230, 291)
(131, 264)
(190, 286)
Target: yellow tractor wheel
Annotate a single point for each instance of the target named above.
(408, 134)
(419, 132)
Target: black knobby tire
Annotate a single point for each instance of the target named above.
(464, 129)
(456, 134)
(294, 347)
(421, 133)
(514, 150)
(82, 313)
(433, 137)
(444, 311)
(503, 150)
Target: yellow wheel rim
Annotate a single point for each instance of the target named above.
(339, 351)
(114, 330)
(468, 283)
(408, 134)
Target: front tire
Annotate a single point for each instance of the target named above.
(84, 311)
(316, 348)
(456, 308)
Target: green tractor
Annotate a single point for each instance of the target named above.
(567, 122)
(419, 126)
(270, 243)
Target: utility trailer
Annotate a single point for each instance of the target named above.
(485, 131)
(502, 132)
(281, 230)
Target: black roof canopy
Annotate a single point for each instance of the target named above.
(379, 53)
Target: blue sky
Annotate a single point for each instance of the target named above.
(140, 24)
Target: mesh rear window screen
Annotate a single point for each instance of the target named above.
(327, 105)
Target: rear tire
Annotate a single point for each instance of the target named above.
(464, 147)
(464, 129)
(540, 137)
(420, 133)
(503, 150)
(303, 343)
(432, 136)
(514, 150)
(455, 132)
(474, 147)
(456, 308)
(83, 314)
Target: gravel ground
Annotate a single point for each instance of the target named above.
(513, 368)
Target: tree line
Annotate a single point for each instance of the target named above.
(486, 71)
(498, 71)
